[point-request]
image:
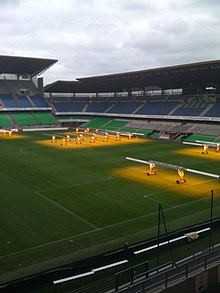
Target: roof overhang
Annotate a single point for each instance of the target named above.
(24, 65)
(166, 77)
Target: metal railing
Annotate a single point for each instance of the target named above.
(163, 277)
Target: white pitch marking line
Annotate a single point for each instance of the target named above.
(151, 214)
(188, 203)
(98, 229)
(66, 210)
(106, 227)
(176, 188)
(148, 197)
(49, 243)
(26, 150)
(76, 236)
(113, 175)
(72, 185)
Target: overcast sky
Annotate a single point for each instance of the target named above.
(96, 37)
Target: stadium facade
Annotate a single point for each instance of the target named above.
(180, 102)
(183, 93)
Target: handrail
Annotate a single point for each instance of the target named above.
(177, 270)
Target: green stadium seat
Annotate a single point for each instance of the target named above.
(4, 120)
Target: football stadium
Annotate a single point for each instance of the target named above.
(109, 183)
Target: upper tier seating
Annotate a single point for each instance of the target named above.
(38, 101)
(172, 105)
(20, 94)
(24, 102)
(69, 106)
(99, 107)
(8, 101)
(124, 107)
(215, 110)
(192, 106)
(157, 108)
(188, 112)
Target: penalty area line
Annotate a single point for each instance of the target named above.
(73, 185)
(159, 201)
(76, 236)
(26, 151)
(48, 243)
(151, 214)
(96, 230)
(66, 210)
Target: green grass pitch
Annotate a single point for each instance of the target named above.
(58, 205)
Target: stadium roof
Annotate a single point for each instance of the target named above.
(62, 86)
(206, 73)
(24, 65)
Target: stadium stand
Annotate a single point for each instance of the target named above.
(8, 101)
(44, 118)
(99, 107)
(22, 93)
(113, 125)
(111, 105)
(157, 108)
(212, 130)
(96, 123)
(23, 119)
(5, 120)
(24, 102)
(188, 112)
(124, 107)
(38, 101)
(215, 110)
(198, 137)
(72, 107)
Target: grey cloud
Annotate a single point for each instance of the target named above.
(12, 3)
(142, 6)
(93, 37)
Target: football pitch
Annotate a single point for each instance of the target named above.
(61, 203)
